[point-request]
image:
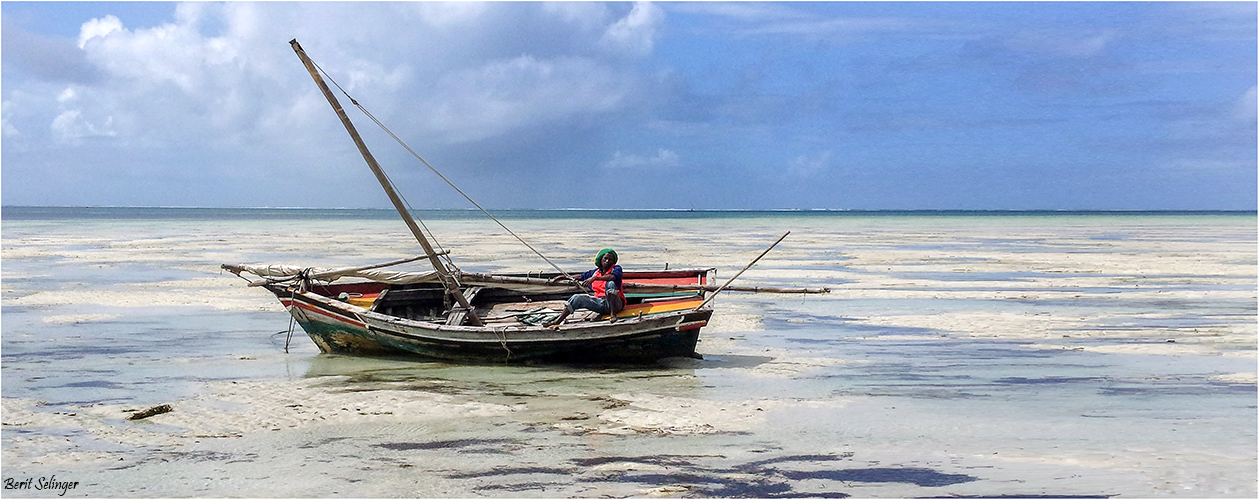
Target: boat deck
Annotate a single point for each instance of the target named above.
(507, 313)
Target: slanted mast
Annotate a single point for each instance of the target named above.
(448, 281)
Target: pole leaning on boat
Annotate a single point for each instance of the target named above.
(448, 281)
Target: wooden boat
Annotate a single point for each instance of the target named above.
(451, 315)
(370, 317)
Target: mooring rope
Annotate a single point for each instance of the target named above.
(292, 319)
(501, 335)
(288, 339)
(439, 174)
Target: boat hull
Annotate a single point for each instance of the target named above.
(342, 328)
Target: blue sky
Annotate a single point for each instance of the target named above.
(844, 105)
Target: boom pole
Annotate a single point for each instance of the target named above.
(448, 281)
(740, 273)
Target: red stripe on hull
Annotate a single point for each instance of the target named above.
(310, 309)
(665, 281)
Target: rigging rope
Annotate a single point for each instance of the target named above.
(439, 174)
(444, 254)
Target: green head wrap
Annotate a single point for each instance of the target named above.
(599, 257)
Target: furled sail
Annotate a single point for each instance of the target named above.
(281, 272)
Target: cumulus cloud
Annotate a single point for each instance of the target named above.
(636, 32)
(173, 53)
(474, 104)
(98, 28)
(216, 87)
(222, 66)
(70, 126)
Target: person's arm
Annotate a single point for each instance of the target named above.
(587, 277)
(618, 275)
(614, 274)
(581, 279)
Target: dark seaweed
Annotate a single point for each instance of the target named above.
(439, 445)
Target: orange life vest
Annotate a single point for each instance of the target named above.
(600, 287)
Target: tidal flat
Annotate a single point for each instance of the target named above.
(1059, 355)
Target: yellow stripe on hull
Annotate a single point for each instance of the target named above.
(657, 307)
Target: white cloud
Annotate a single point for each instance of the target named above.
(809, 165)
(664, 158)
(98, 28)
(636, 32)
(6, 121)
(448, 14)
(170, 53)
(482, 102)
(224, 72)
(585, 15)
(70, 126)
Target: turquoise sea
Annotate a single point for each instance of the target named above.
(1060, 354)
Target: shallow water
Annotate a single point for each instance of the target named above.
(957, 355)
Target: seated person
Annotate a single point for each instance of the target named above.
(605, 281)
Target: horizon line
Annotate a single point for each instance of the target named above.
(581, 209)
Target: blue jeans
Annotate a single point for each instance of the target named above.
(585, 301)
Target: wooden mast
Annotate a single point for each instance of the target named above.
(452, 288)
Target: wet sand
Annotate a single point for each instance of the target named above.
(956, 356)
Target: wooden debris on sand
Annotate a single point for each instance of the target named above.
(156, 410)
